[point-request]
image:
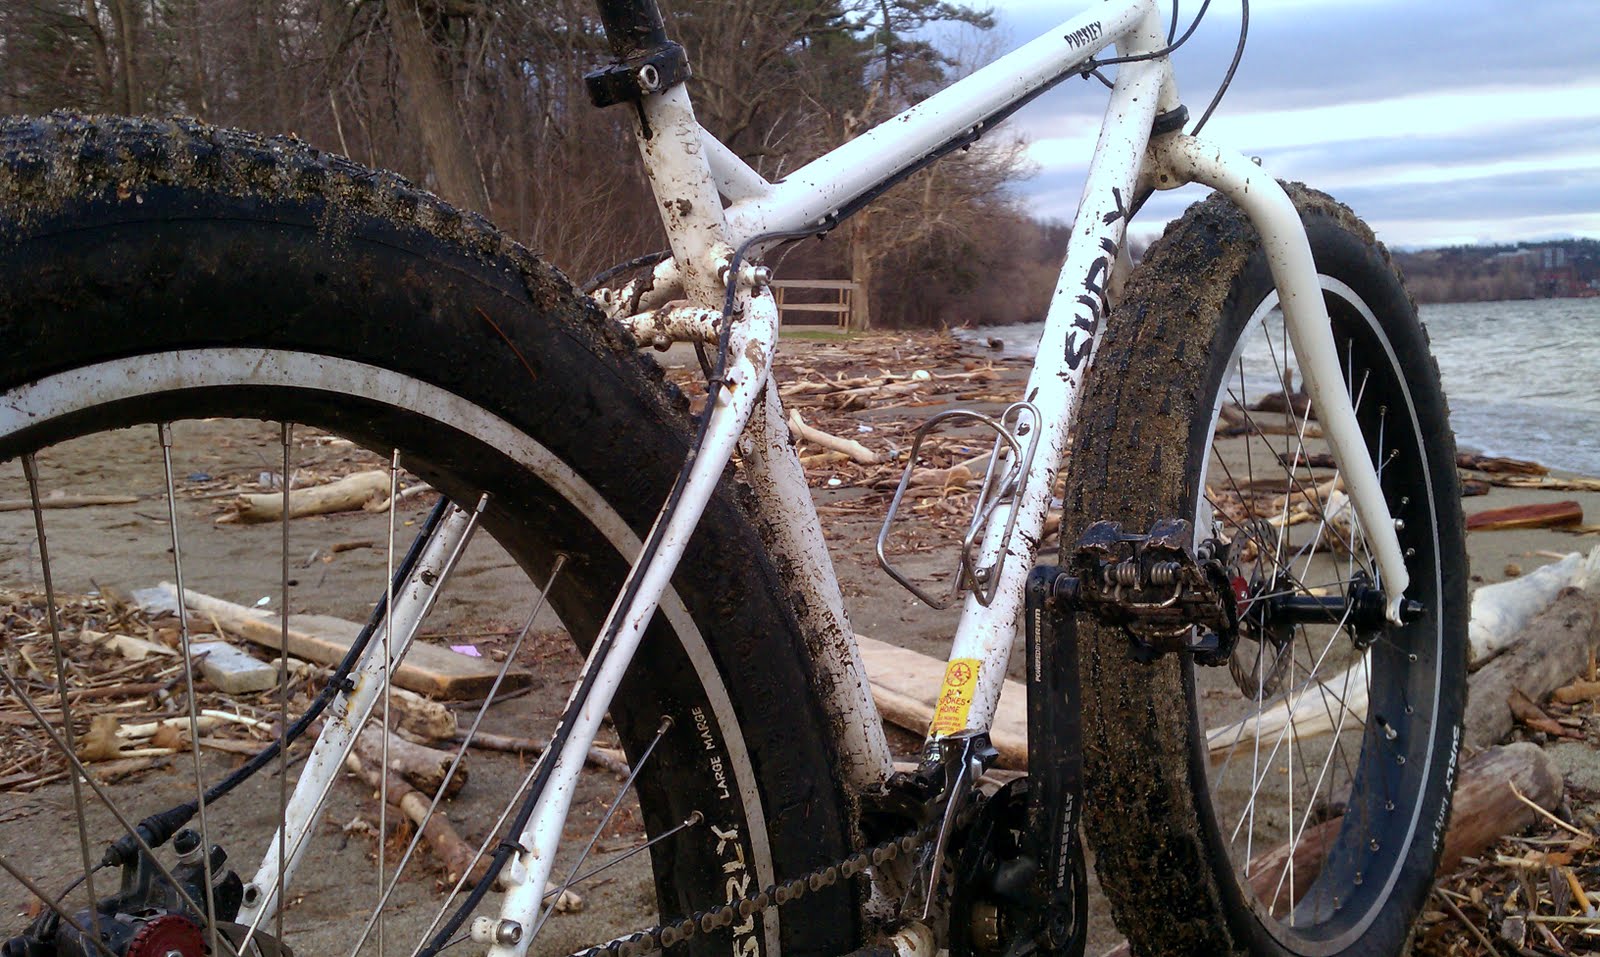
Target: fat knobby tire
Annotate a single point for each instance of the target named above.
(128, 237)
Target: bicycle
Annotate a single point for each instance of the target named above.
(223, 274)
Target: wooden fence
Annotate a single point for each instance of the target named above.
(843, 290)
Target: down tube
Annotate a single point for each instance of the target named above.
(1072, 330)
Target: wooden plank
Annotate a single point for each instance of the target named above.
(427, 669)
(814, 284)
(815, 307)
(905, 685)
(1539, 515)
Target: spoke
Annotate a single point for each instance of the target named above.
(164, 431)
(40, 894)
(505, 813)
(694, 818)
(1317, 789)
(457, 524)
(438, 796)
(30, 469)
(283, 678)
(616, 802)
(388, 668)
(1282, 732)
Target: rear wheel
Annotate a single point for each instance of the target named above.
(1292, 802)
(167, 272)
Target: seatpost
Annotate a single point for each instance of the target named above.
(647, 62)
(633, 27)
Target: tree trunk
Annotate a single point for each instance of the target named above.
(434, 106)
(125, 20)
(861, 273)
(102, 54)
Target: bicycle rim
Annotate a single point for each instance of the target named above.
(1321, 737)
(467, 452)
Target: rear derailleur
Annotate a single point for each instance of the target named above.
(148, 916)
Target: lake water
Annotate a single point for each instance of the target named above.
(1523, 377)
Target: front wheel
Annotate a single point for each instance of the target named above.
(1293, 800)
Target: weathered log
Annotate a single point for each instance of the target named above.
(1553, 647)
(1501, 611)
(1486, 809)
(1577, 691)
(857, 452)
(1572, 483)
(423, 766)
(422, 717)
(1298, 403)
(609, 759)
(344, 495)
(1498, 465)
(1533, 515)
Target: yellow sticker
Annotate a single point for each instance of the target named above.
(955, 697)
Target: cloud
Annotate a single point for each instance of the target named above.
(1441, 121)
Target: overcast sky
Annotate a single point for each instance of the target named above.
(1439, 121)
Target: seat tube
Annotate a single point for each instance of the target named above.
(670, 144)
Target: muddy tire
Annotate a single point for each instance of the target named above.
(1181, 827)
(163, 269)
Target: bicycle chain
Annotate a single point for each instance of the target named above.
(656, 939)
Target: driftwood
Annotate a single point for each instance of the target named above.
(1497, 465)
(1297, 402)
(441, 837)
(447, 845)
(422, 718)
(344, 495)
(857, 452)
(426, 668)
(1553, 647)
(66, 501)
(1486, 809)
(1536, 515)
(419, 764)
(609, 759)
(1501, 611)
(1571, 483)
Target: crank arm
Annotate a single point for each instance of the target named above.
(1055, 764)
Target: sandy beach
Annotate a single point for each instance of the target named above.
(109, 548)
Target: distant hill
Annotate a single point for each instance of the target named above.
(1548, 270)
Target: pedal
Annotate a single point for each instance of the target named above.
(1160, 589)
(1016, 432)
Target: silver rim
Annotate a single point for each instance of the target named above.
(96, 809)
(1291, 722)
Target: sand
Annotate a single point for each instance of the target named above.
(110, 547)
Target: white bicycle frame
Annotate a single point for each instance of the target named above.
(720, 214)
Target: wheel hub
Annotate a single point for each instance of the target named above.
(168, 935)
